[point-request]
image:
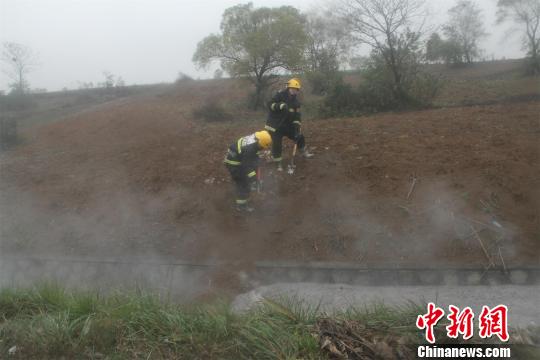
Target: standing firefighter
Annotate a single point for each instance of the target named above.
(242, 161)
(284, 119)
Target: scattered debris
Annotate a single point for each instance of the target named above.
(209, 181)
(350, 339)
(496, 224)
(405, 208)
(412, 186)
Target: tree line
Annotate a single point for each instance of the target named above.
(260, 44)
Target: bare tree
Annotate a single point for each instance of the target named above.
(328, 46)
(465, 28)
(119, 82)
(109, 80)
(391, 28)
(525, 13)
(20, 60)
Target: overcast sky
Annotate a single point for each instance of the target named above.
(147, 41)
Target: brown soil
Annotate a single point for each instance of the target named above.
(143, 178)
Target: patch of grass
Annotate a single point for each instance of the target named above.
(281, 329)
(49, 322)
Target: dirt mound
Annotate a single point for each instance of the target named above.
(456, 186)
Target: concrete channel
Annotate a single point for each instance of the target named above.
(186, 279)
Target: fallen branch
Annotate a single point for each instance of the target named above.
(485, 271)
(405, 208)
(412, 187)
(489, 226)
(502, 261)
(483, 247)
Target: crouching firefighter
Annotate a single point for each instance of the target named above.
(242, 161)
(284, 119)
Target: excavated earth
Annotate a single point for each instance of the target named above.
(455, 186)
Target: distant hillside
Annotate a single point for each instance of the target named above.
(479, 83)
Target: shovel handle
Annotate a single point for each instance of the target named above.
(291, 167)
(259, 180)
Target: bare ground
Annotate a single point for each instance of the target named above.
(143, 178)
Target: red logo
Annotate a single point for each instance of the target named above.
(460, 322)
(491, 322)
(429, 320)
(494, 322)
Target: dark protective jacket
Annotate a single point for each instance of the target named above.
(290, 117)
(243, 154)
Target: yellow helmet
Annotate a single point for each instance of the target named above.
(264, 138)
(294, 83)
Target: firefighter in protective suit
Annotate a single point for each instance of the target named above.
(284, 119)
(242, 161)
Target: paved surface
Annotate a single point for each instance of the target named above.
(522, 301)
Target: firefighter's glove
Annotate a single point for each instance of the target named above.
(283, 106)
